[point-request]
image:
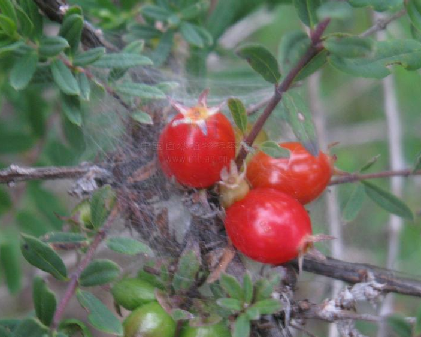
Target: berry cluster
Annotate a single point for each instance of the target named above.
(268, 222)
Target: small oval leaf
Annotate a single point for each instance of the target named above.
(99, 272)
(128, 246)
(100, 316)
(44, 301)
(239, 113)
(388, 201)
(262, 61)
(40, 255)
(272, 149)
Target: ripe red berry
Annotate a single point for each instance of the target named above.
(196, 145)
(301, 176)
(269, 226)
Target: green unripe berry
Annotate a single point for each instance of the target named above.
(150, 320)
(217, 330)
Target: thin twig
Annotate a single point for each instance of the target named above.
(353, 177)
(15, 173)
(74, 279)
(383, 23)
(360, 272)
(311, 52)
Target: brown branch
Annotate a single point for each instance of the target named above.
(361, 272)
(55, 11)
(353, 177)
(15, 173)
(311, 52)
(74, 279)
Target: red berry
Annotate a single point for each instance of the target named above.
(269, 226)
(302, 176)
(196, 145)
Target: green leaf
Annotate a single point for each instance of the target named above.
(52, 46)
(194, 10)
(241, 326)
(84, 85)
(99, 272)
(25, 23)
(7, 25)
(388, 201)
(350, 47)
(44, 301)
(191, 34)
(142, 117)
(64, 78)
(301, 121)
(72, 109)
(247, 288)
(88, 57)
(30, 327)
(181, 315)
(377, 5)
(354, 203)
(155, 12)
(262, 61)
(100, 316)
(334, 10)
(239, 113)
(370, 163)
(73, 327)
(230, 304)
(40, 255)
(100, 203)
(231, 286)
(140, 90)
(266, 286)
(417, 164)
(399, 326)
(307, 11)
(23, 70)
(272, 149)
(14, 141)
(268, 307)
(187, 269)
(413, 9)
(293, 45)
(30, 8)
(161, 52)
(71, 30)
(122, 60)
(128, 246)
(10, 262)
(7, 8)
(405, 52)
(137, 31)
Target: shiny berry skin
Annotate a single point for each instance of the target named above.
(150, 320)
(268, 226)
(196, 145)
(301, 176)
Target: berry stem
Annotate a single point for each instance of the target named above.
(283, 87)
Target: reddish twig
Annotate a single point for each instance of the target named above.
(353, 177)
(311, 52)
(74, 279)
